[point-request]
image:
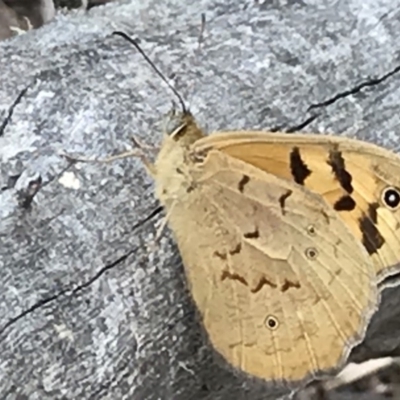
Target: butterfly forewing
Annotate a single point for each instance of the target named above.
(352, 176)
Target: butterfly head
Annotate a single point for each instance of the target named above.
(171, 168)
(172, 163)
(181, 127)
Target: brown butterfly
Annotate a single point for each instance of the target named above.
(282, 238)
(284, 288)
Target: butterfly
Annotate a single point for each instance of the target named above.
(283, 286)
(283, 239)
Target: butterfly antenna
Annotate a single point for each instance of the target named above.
(158, 72)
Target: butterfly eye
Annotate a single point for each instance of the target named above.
(311, 230)
(391, 197)
(271, 322)
(311, 253)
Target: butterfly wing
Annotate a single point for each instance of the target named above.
(361, 181)
(283, 287)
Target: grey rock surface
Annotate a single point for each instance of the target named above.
(88, 310)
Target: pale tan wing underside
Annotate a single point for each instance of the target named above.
(284, 288)
(372, 170)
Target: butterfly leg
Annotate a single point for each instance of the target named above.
(160, 229)
(150, 167)
(163, 224)
(141, 145)
(131, 153)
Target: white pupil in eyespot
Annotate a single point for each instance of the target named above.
(392, 198)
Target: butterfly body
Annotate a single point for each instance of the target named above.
(283, 287)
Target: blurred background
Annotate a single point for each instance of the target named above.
(19, 16)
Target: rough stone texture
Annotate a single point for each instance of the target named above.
(88, 310)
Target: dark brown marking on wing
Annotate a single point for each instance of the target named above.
(190, 188)
(234, 277)
(289, 284)
(236, 250)
(283, 199)
(337, 163)
(371, 237)
(298, 168)
(222, 256)
(243, 182)
(326, 216)
(373, 212)
(252, 235)
(263, 281)
(345, 203)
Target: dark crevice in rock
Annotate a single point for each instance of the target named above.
(302, 125)
(79, 288)
(11, 109)
(294, 128)
(25, 197)
(355, 90)
(346, 93)
(102, 271)
(30, 310)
